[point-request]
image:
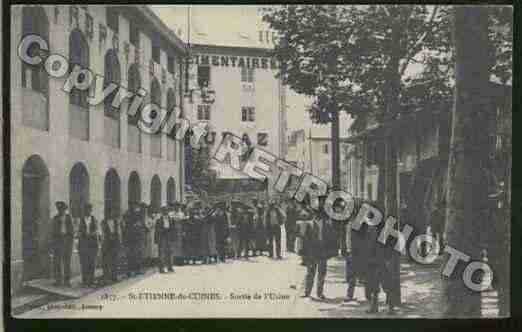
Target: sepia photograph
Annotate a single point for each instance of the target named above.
(258, 161)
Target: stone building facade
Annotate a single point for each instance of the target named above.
(244, 98)
(63, 149)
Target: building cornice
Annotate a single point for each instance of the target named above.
(230, 50)
(148, 16)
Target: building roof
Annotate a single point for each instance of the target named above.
(145, 12)
(220, 25)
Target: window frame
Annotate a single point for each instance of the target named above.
(203, 112)
(112, 17)
(248, 114)
(171, 64)
(208, 76)
(134, 34)
(247, 75)
(326, 149)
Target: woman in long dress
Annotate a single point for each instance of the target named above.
(233, 233)
(191, 236)
(259, 234)
(179, 218)
(151, 248)
(204, 235)
(209, 238)
(221, 229)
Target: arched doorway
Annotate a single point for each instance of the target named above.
(171, 191)
(112, 189)
(35, 217)
(134, 188)
(155, 192)
(78, 190)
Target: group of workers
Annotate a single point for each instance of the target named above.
(172, 235)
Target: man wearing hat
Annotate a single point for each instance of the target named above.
(163, 228)
(111, 247)
(290, 224)
(319, 244)
(88, 245)
(274, 220)
(62, 244)
(134, 239)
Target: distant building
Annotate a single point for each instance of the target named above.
(422, 139)
(313, 154)
(248, 100)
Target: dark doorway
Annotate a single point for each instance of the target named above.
(35, 217)
(155, 192)
(112, 191)
(134, 188)
(171, 191)
(78, 190)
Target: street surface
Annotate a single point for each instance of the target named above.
(237, 282)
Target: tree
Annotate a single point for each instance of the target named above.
(483, 50)
(203, 177)
(314, 53)
(358, 59)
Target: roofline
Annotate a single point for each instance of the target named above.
(316, 138)
(217, 48)
(158, 24)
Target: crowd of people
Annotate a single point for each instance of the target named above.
(173, 235)
(203, 233)
(367, 261)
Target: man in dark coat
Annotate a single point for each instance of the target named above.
(162, 236)
(245, 231)
(221, 232)
(62, 244)
(88, 243)
(135, 232)
(319, 245)
(110, 247)
(274, 220)
(438, 224)
(258, 233)
(290, 225)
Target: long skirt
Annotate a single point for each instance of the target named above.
(260, 239)
(176, 244)
(191, 242)
(151, 248)
(208, 240)
(233, 241)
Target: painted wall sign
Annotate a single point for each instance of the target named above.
(235, 61)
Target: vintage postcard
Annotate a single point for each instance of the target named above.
(256, 161)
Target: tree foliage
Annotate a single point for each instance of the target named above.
(376, 60)
(202, 175)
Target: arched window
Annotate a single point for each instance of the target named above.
(171, 191)
(155, 192)
(171, 142)
(78, 55)
(112, 193)
(133, 132)
(34, 21)
(155, 98)
(78, 190)
(155, 92)
(112, 75)
(134, 188)
(171, 99)
(78, 110)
